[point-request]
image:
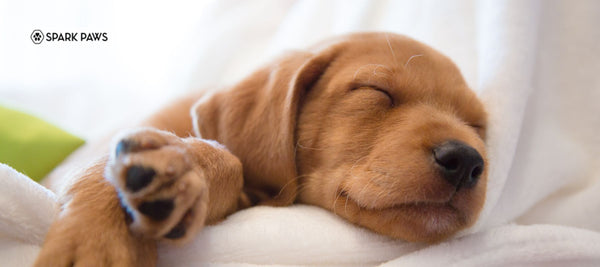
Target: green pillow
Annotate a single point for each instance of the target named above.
(32, 146)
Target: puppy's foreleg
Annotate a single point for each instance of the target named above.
(91, 229)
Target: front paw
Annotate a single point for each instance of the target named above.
(159, 184)
(91, 229)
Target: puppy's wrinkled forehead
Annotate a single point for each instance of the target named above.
(410, 71)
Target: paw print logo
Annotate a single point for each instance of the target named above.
(37, 36)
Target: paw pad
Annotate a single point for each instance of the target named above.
(177, 232)
(157, 210)
(138, 177)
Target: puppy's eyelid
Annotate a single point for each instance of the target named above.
(480, 129)
(371, 87)
(392, 102)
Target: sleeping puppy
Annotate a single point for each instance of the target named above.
(377, 128)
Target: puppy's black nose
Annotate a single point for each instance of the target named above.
(460, 164)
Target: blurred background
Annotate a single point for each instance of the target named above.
(159, 50)
(88, 88)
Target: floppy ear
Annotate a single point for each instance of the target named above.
(256, 121)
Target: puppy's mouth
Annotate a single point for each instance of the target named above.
(441, 205)
(412, 221)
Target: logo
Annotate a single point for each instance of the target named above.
(37, 36)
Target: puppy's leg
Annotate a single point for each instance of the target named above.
(93, 228)
(92, 231)
(172, 186)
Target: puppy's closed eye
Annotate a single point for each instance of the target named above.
(381, 96)
(479, 129)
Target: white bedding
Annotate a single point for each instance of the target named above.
(534, 63)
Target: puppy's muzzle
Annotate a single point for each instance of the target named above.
(460, 164)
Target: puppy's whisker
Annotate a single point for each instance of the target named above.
(368, 65)
(301, 188)
(376, 199)
(410, 58)
(357, 70)
(362, 191)
(335, 201)
(339, 192)
(376, 73)
(295, 179)
(380, 172)
(387, 39)
(306, 147)
(346, 206)
(351, 171)
(377, 174)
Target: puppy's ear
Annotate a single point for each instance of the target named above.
(256, 121)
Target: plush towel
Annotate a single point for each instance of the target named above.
(303, 236)
(535, 65)
(26, 212)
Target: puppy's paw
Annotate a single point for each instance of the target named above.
(90, 229)
(160, 184)
(87, 239)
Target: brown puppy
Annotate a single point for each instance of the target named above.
(378, 128)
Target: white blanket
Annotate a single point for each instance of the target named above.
(534, 63)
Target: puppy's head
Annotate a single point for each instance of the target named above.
(378, 128)
(391, 138)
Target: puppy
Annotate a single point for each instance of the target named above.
(377, 128)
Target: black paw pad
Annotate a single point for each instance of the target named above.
(177, 232)
(157, 210)
(138, 177)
